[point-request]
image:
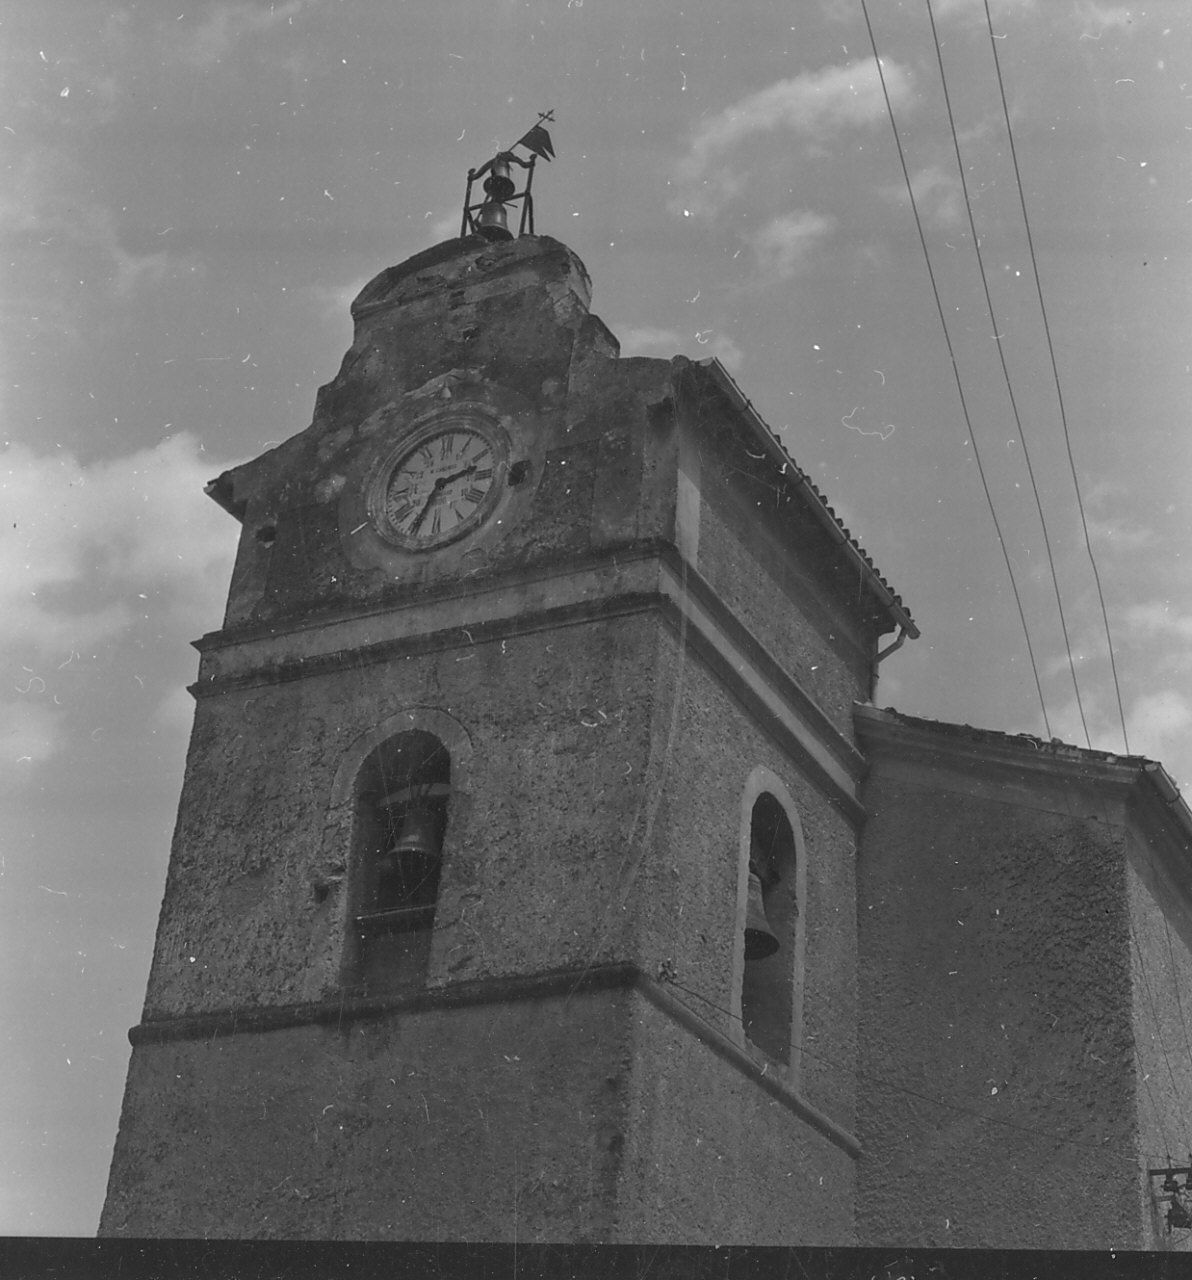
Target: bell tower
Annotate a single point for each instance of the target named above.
(512, 890)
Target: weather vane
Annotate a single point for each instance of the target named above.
(489, 218)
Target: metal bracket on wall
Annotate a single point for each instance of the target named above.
(1179, 1198)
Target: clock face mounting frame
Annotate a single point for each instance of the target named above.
(441, 482)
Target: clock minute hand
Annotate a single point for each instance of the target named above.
(439, 485)
(457, 475)
(426, 506)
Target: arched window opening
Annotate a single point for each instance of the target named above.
(772, 910)
(402, 797)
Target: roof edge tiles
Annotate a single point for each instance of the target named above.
(880, 727)
(881, 589)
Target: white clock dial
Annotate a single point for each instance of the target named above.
(440, 486)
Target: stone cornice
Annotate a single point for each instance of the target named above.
(534, 986)
(777, 701)
(635, 578)
(1018, 769)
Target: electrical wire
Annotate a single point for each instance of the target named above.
(1055, 373)
(1001, 351)
(1089, 549)
(939, 306)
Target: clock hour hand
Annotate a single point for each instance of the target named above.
(439, 485)
(455, 475)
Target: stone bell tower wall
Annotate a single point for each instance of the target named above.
(652, 627)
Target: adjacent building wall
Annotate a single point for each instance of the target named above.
(1161, 974)
(997, 1061)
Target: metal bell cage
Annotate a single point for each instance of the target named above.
(489, 217)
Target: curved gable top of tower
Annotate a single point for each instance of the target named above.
(471, 263)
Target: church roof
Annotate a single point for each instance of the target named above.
(818, 504)
(875, 724)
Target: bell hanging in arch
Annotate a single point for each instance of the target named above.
(760, 941)
(419, 834)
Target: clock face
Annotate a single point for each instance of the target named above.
(442, 487)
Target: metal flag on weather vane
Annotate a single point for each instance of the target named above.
(538, 140)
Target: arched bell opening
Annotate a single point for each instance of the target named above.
(403, 792)
(771, 922)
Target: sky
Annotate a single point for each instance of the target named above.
(194, 192)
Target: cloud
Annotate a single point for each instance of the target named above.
(939, 197)
(31, 732)
(1155, 619)
(45, 204)
(1160, 725)
(975, 9)
(783, 246)
(1120, 533)
(846, 10)
(708, 194)
(725, 350)
(227, 25)
(446, 226)
(335, 301)
(665, 343)
(88, 551)
(176, 712)
(132, 272)
(643, 340)
(1096, 19)
(1159, 715)
(814, 104)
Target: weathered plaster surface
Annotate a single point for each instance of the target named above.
(559, 729)
(1161, 975)
(687, 888)
(446, 1124)
(996, 1028)
(739, 1167)
(793, 605)
(605, 703)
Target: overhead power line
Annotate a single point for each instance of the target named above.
(955, 368)
(1055, 372)
(1001, 351)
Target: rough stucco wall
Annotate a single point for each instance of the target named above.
(779, 595)
(706, 748)
(1161, 971)
(560, 725)
(601, 819)
(583, 770)
(995, 977)
(711, 1159)
(491, 1123)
